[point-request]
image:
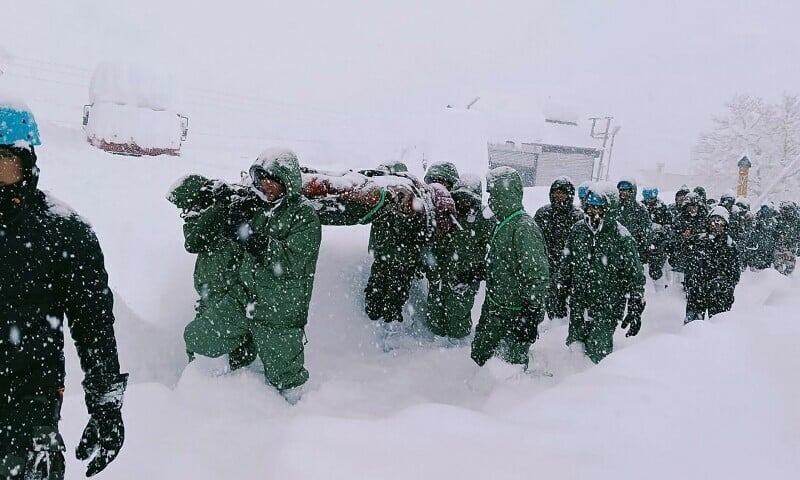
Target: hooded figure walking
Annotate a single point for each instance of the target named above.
(459, 267)
(601, 277)
(517, 276)
(281, 244)
(555, 221)
(713, 269)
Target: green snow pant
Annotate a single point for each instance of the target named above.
(450, 308)
(221, 327)
(494, 336)
(30, 443)
(387, 289)
(597, 334)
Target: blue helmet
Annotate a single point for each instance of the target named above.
(582, 189)
(624, 185)
(650, 193)
(594, 199)
(18, 125)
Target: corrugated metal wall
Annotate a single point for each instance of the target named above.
(522, 162)
(550, 165)
(540, 164)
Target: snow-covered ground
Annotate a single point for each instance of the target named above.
(715, 399)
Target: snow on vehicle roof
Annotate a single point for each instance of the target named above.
(132, 85)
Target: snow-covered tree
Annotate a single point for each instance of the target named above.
(769, 134)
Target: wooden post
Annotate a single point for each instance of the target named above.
(744, 174)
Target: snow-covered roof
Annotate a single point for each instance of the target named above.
(534, 128)
(529, 120)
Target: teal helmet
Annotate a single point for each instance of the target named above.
(650, 193)
(18, 127)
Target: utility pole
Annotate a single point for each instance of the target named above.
(600, 135)
(614, 132)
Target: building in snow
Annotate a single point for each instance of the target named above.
(554, 148)
(540, 163)
(541, 141)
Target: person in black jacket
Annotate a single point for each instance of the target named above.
(690, 221)
(660, 231)
(51, 269)
(555, 221)
(713, 269)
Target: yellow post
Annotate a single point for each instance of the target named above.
(744, 174)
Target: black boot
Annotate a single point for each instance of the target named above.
(243, 355)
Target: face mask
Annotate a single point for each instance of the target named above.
(11, 197)
(594, 221)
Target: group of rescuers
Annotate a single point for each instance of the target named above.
(257, 244)
(257, 253)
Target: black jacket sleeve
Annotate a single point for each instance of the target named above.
(88, 303)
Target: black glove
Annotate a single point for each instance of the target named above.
(633, 319)
(104, 434)
(240, 212)
(221, 191)
(527, 327)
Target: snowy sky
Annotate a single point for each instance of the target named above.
(660, 67)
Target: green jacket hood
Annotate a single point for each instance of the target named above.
(189, 191)
(468, 186)
(393, 167)
(563, 183)
(505, 191)
(701, 192)
(442, 170)
(283, 165)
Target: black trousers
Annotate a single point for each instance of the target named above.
(711, 300)
(388, 289)
(30, 445)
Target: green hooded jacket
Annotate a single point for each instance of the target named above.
(517, 270)
(461, 257)
(216, 270)
(601, 270)
(635, 217)
(396, 237)
(444, 173)
(282, 248)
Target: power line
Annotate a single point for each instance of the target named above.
(204, 98)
